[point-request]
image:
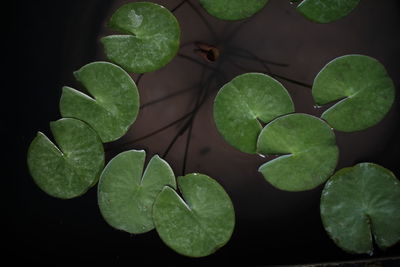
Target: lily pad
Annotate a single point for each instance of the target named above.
(308, 149)
(198, 224)
(69, 170)
(115, 102)
(326, 11)
(362, 85)
(126, 194)
(150, 37)
(233, 9)
(243, 104)
(361, 204)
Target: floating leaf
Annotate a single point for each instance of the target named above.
(309, 152)
(126, 196)
(245, 101)
(198, 224)
(358, 201)
(233, 9)
(70, 169)
(150, 37)
(326, 11)
(363, 87)
(115, 104)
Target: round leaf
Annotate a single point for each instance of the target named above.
(70, 169)
(363, 87)
(358, 201)
(309, 152)
(198, 224)
(150, 37)
(245, 101)
(233, 9)
(126, 196)
(326, 11)
(115, 102)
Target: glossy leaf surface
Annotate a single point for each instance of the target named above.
(363, 88)
(361, 204)
(233, 9)
(245, 101)
(308, 149)
(198, 224)
(323, 11)
(126, 194)
(149, 37)
(112, 105)
(70, 167)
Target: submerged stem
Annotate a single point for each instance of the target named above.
(138, 79)
(197, 62)
(185, 156)
(209, 27)
(180, 132)
(216, 70)
(235, 31)
(178, 6)
(193, 114)
(159, 130)
(251, 56)
(234, 53)
(292, 81)
(264, 64)
(177, 93)
(189, 135)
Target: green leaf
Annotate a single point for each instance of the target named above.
(363, 87)
(309, 152)
(198, 224)
(150, 37)
(358, 201)
(326, 11)
(126, 196)
(115, 104)
(233, 9)
(70, 169)
(245, 101)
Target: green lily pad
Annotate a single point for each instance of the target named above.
(361, 204)
(198, 224)
(363, 87)
(115, 104)
(326, 11)
(308, 149)
(126, 194)
(150, 38)
(245, 101)
(233, 9)
(69, 170)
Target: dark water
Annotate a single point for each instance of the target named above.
(272, 226)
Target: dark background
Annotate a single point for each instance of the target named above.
(55, 38)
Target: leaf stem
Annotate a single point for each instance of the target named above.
(264, 64)
(180, 132)
(213, 33)
(202, 64)
(158, 130)
(235, 31)
(251, 56)
(139, 78)
(194, 112)
(292, 81)
(197, 62)
(178, 6)
(177, 93)
(188, 138)
(189, 135)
